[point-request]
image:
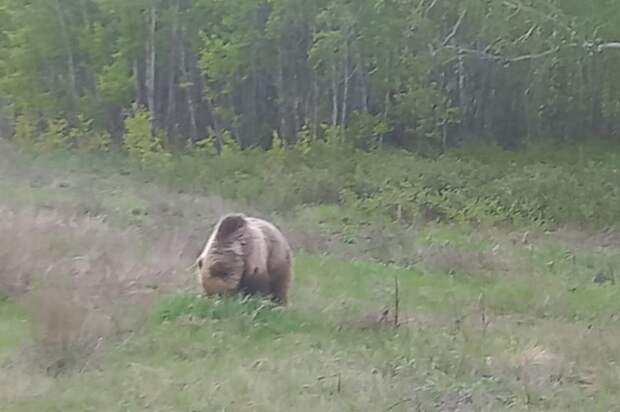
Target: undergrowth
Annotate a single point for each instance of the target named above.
(579, 186)
(542, 185)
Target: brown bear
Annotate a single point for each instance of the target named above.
(246, 255)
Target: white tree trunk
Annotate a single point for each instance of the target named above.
(334, 96)
(171, 121)
(151, 67)
(345, 91)
(191, 105)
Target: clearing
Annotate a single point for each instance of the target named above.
(99, 312)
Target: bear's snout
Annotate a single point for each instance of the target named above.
(219, 286)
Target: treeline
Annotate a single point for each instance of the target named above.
(412, 73)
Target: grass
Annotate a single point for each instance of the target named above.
(13, 328)
(97, 311)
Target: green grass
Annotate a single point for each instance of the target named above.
(517, 325)
(13, 328)
(241, 354)
(236, 354)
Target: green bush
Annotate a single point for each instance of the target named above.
(544, 185)
(144, 148)
(59, 135)
(520, 188)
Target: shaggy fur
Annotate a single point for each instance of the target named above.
(246, 255)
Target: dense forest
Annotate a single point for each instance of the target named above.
(416, 74)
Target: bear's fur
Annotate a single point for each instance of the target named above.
(246, 255)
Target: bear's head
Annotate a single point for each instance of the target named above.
(222, 263)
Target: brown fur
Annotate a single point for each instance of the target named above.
(246, 255)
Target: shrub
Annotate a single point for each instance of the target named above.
(539, 186)
(144, 148)
(509, 187)
(26, 134)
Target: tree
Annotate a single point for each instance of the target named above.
(417, 74)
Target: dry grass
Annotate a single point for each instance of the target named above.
(82, 281)
(86, 281)
(453, 259)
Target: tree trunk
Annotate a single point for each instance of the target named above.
(317, 103)
(92, 74)
(139, 83)
(596, 86)
(71, 70)
(286, 106)
(151, 67)
(345, 88)
(462, 93)
(386, 113)
(386, 103)
(334, 96)
(363, 79)
(193, 125)
(171, 120)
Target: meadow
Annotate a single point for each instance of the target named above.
(476, 281)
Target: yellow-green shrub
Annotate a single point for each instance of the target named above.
(143, 146)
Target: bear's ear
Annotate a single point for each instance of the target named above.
(230, 225)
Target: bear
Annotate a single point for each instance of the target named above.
(248, 256)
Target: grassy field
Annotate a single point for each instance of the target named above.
(98, 311)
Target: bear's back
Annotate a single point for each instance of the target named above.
(276, 248)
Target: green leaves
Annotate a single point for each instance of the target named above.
(423, 75)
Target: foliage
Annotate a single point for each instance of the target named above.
(144, 148)
(26, 134)
(58, 135)
(423, 75)
(579, 185)
(334, 90)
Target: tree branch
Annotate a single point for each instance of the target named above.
(485, 55)
(516, 4)
(431, 6)
(455, 29)
(608, 45)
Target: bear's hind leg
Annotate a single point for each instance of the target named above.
(280, 285)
